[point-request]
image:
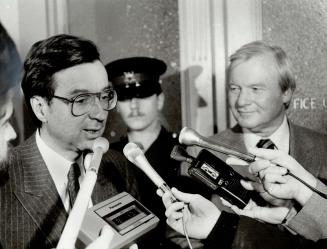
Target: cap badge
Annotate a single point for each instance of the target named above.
(129, 77)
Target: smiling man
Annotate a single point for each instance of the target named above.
(260, 85)
(67, 92)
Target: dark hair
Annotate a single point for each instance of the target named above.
(49, 56)
(10, 63)
(283, 64)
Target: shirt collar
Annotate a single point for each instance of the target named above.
(56, 164)
(280, 137)
(58, 167)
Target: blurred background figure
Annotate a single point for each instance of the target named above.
(10, 72)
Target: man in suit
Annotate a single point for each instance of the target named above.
(260, 86)
(67, 93)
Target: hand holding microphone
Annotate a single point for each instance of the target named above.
(200, 215)
(274, 169)
(76, 216)
(136, 156)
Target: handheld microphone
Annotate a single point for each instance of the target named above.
(136, 156)
(74, 221)
(189, 136)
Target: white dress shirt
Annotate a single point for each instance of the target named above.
(281, 137)
(58, 167)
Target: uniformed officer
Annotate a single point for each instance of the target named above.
(140, 101)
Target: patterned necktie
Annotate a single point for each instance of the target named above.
(266, 144)
(73, 184)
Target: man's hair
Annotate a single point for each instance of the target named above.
(10, 64)
(49, 56)
(258, 48)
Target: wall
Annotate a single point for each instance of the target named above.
(300, 27)
(125, 28)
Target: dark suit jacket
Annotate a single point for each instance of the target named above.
(31, 212)
(309, 148)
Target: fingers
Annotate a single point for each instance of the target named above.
(267, 153)
(233, 207)
(173, 212)
(274, 178)
(159, 192)
(278, 157)
(104, 240)
(261, 165)
(181, 196)
(251, 185)
(235, 161)
(226, 203)
(166, 198)
(134, 246)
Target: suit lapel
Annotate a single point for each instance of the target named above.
(38, 194)
(302, 149)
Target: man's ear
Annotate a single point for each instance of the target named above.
(161, 101)
(287, 96)
(40, 108)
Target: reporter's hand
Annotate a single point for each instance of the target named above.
(199, 214)
(256, 185)
(275, 179)
(104, 240)
(272, 215)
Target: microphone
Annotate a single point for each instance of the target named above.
(136, 156)
(76, 216)
(189, 136)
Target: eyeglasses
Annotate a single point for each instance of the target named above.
(83, 103)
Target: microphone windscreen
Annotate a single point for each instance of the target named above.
(102, 143)
(135, 155)
(181, 135)
(189, 136)
(131, 151)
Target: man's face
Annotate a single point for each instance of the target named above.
(65, 131)
(255, 97)
(141, 113)
(7, 132)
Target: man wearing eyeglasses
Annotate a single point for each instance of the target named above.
(68, 95)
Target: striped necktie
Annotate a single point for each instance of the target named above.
(73, 184)
(266, 144)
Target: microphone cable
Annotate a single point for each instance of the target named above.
(185, 230)
(323, 195)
